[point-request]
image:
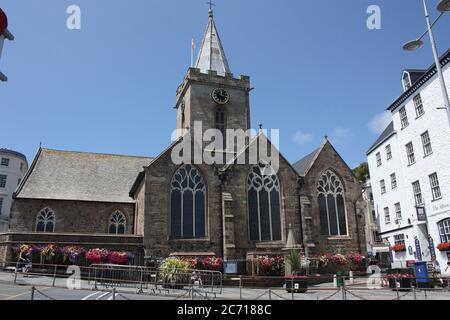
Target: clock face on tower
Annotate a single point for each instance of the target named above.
(220, 96)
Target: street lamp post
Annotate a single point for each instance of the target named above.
(444, 6)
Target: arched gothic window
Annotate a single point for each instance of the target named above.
(45, 221)
(117, 223)
(264, 208)
(188, 201)
(333, 217)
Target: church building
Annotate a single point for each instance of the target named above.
(155, 207)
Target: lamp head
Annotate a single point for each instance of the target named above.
(413, 45)
(444, 6)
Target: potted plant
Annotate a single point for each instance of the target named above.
(298, 281)
(175, 273)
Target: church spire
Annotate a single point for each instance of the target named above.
(211, 55)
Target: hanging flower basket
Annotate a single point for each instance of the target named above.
(445, 246)
(399, 248)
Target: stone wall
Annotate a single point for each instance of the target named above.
(229, 197)
(314, 241)
(157, 239)
(71, 216)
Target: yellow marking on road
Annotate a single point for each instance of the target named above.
(24, 294)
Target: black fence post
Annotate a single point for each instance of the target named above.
(240, 287)
(292, 288)
(32, 292)
(54, 276)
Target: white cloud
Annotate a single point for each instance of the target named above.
(340, 135)
(380, 122)
(302, 138)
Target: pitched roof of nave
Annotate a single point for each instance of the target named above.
(211, 55)
(80, 176)
(302, 166)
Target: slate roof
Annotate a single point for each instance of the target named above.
(387, 133)
(304, 164)
(211, 55)
(422, 80)
(78, 176)
(415, 75)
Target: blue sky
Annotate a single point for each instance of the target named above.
(110, 87)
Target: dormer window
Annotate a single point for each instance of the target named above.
(406, 81)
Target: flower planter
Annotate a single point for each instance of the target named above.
(444, 247)
(400, 248)
(175, 281)
(405, 283)
(296, 284)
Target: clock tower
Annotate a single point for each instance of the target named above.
(209, 93)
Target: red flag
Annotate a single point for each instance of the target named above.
(3, 22)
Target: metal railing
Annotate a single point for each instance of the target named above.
(108, 276)
(197, 284)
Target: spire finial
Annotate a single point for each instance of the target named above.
(211, 4)
(211, 55)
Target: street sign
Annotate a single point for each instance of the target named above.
(431, 247)
(421, 214)
(3, 22)
(418, 249)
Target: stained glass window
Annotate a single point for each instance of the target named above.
(188, 204)
(117, 223)
(333, 216)
(264, 205)
(45, 221)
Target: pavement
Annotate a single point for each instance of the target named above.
(44, 290)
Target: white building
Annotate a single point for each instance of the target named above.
(13, 166)
(376, 249)
(410, 170)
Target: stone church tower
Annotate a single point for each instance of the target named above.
(209, 209)
(209, 93)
